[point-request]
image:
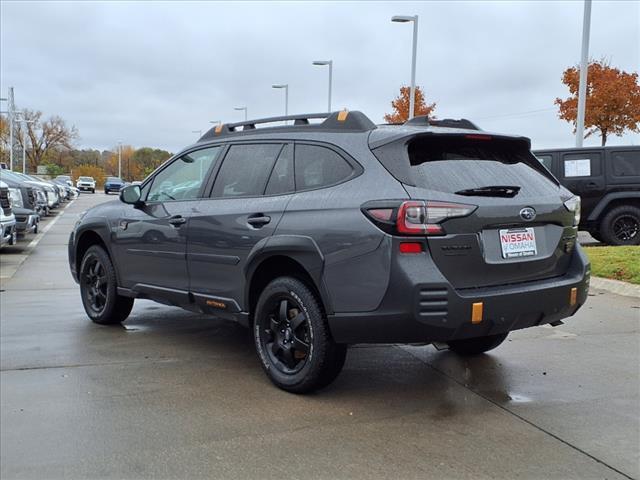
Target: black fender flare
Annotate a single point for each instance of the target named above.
(99, 226)
(300, 248)
(607, 199)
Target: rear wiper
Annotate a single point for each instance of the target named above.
(491, 191)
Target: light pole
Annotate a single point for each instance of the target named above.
(24, 142)
(245, 111)
(119, 159)
(330, 64)
(286, 96)
(584, 67)
(414, 19)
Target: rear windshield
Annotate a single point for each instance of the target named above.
(457, 163)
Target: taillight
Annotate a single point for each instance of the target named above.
(414, 217)
(424, 218)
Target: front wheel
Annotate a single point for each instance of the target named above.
(93, 190)
(292, 338)
(477, 345)
(98, 289)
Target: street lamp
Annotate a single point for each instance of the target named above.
(199, 132)
(584, 68)
(286, 97)
(119, 159)
(24, 143)
(245, 111)
(414, 19)
(330, 63)
(216, 122)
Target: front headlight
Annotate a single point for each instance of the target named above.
(573, 205)
(16, 197)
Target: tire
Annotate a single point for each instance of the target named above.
(596, 235)
(477, 345)
(93, 190)
(287, 318)
(621, 226)
(98, 289)
(106, 192)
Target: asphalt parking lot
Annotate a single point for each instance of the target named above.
(172, 394)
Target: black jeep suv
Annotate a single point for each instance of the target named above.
(320, 235)
(608, 182)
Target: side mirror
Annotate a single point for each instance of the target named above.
(131, 195)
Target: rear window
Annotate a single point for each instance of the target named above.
(454, 163)
(317, 166)
(625, 163)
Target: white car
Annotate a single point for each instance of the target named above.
(86, 183)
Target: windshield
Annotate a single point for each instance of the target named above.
(86, 179)
(114, 179)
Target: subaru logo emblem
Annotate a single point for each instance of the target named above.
(527, 214)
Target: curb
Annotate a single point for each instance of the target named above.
(615, 286)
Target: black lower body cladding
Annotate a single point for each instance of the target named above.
(421, 306)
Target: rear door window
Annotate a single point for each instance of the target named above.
(282, 179)
(452, 164)
(317, 166)
(245, 170)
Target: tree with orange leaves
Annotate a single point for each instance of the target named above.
(612, 104)
(400, 106)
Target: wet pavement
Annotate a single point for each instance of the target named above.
(172, 394)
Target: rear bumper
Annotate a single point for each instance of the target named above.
(421, 306)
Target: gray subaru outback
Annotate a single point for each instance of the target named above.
(330, 231)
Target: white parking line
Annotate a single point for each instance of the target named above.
(32, 244)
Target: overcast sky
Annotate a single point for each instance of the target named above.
(149, 73)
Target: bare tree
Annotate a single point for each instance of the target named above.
(44, 136)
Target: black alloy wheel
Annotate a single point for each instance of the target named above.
(626, 228)
(286, 334)
(94, 279)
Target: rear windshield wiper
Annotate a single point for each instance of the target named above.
(508, 191)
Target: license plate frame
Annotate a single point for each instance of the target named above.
(518, 242)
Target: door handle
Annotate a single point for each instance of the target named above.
(177, 220)
(258, 220)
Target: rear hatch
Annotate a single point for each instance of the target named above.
(520, 230)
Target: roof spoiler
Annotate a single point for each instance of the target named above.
(341, 121)
(425, 121)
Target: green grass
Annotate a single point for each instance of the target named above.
(618, 263)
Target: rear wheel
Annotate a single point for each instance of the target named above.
(477, 345)
(292, 338)
(98, 288)
(621, 226)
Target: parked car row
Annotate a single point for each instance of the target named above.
(25, 199)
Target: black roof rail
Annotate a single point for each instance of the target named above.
(341, 121)
(424, 120)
